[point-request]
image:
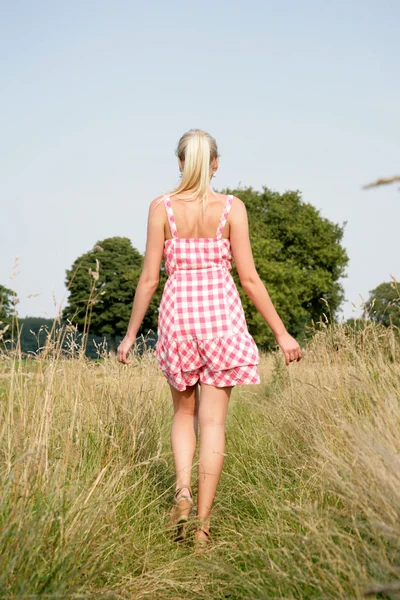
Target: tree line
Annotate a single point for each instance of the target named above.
(298, 254)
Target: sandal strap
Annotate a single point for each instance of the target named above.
(206, 532)
(184, 496)
(183, 488)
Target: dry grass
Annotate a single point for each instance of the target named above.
(309, 500)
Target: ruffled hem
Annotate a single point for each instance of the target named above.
(182, 361)
(246, 375)
(217, 353)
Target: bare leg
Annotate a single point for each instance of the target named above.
(184, 433)
(213, 407)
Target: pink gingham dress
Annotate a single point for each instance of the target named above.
(202, 330)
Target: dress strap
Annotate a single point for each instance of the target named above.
(170, 215)
(224, 216)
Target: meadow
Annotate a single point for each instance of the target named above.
(308, 505)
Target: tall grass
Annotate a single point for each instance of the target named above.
(308, 504)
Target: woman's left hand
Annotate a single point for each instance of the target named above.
(123, 350)
(289, 347)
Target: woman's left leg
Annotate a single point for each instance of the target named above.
(184, 431)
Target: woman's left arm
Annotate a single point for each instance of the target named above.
(149, 277)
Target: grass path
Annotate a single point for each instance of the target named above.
(309, 500)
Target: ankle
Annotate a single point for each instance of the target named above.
(183, 491)
(204, 525)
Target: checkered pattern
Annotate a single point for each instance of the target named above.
(217, 354)
(202, 330)
(200, 304)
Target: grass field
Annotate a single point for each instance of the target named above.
(308, 504)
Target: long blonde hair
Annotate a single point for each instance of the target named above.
(196, 150)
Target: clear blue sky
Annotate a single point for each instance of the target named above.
(95, 95)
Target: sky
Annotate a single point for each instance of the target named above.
(96, 94)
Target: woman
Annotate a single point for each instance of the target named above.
(203, 347)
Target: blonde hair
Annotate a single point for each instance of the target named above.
(196, 150)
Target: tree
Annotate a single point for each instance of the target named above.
(6, 310)
(102, 283)
(298, 255)
(33, 333)
(383, 305)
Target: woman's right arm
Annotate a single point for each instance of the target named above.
(251, 282)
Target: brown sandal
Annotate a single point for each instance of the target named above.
(201, 543)
(179, 513)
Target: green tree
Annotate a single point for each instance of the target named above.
(299, 257)
(383, 305)
(102, 284)
(6, 310)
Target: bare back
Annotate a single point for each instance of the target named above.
(190, 222)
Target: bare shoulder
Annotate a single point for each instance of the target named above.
(238, 210)
(236, 202)
(156, 209)
(156, 202)
(218, 196)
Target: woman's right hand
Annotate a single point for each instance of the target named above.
(123, 350)
(289, 347)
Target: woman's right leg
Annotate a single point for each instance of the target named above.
(184, 433)
(213, 408)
